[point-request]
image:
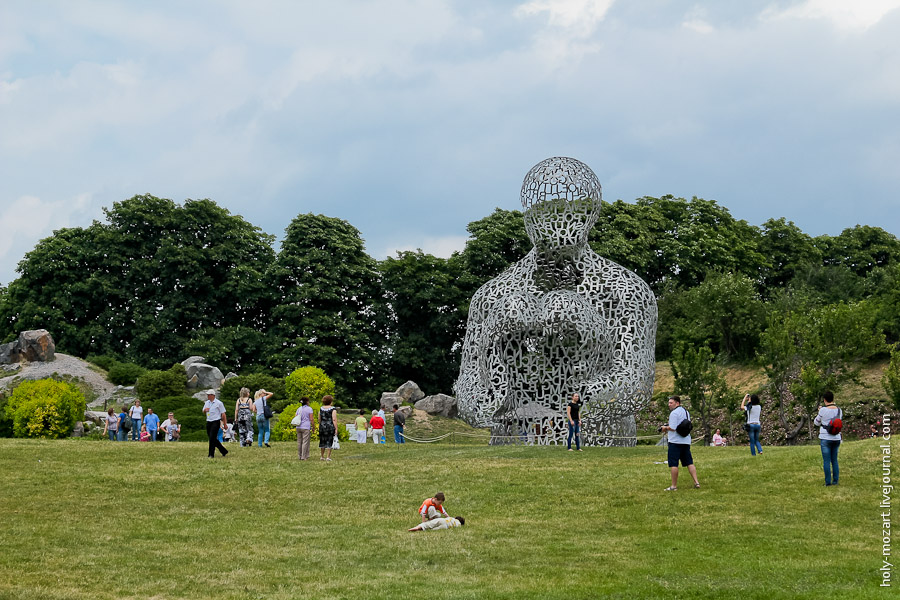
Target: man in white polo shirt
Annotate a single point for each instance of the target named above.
(215, 419)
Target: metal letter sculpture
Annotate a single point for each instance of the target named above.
(561, 320)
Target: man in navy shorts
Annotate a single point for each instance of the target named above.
(679, 445)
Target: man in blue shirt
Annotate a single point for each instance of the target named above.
(152, 423)
(679, 445)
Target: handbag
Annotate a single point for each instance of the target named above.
(336, 445)
(296, 421)
(747, 422)
(267, 410)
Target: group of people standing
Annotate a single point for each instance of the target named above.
(328, 424)
(828, 420)
(375, 426)
(131, 421)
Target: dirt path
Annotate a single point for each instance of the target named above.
(66, 365)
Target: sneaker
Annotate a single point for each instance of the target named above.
(267, 445)
(670, 489)
(327, 460)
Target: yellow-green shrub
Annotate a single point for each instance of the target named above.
(45, 408)
(311, 382)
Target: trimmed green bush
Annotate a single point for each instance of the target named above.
(153, 385)
(104, 361)
(311, 382)
(45, 408)
(124, 373)
(231, 389)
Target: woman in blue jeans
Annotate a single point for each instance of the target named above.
(753, 411)
(830, 442)
(261, 399)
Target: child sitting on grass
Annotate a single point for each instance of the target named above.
(433, 507)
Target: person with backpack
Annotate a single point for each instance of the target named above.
(753, 427)
(830, 422)
(263, 414)
(124, 425)
(679, 438)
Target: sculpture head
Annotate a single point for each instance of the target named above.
(561, 198)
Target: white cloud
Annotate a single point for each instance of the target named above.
(29, 219)
(843, 14)
(579, 16)
(696, 20)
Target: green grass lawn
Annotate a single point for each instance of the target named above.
(85, 519)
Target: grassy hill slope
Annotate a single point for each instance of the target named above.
(102, 520)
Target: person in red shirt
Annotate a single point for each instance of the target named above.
(377, 425)
(433, 508)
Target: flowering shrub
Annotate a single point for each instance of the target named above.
(45, 408)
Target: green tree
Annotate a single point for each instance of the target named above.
(861, 249)
(698, 378)
(724, 312)
(674, 240)
(882, 287)
(139, 285)
(788, 252)
(890, 379)
(231, 348)
(426, 312)
(806, 349)
(495, 242)
(328, 290)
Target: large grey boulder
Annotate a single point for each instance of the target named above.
(9, 353)
(95, 416)
(439, 404)
(410, 392)
(389, 399)
(189, 361)
(36, 346)
(79, 429)
(201, 375)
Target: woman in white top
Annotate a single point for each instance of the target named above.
(753, 425)
(261, 399)
(830, 442)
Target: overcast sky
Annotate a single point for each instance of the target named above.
(411, 118)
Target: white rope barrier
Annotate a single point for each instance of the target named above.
(524, 439)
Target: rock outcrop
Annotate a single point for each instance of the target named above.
(203, 376)
(389, 399)
(410, 392)
(35, 345)
(438, 404)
